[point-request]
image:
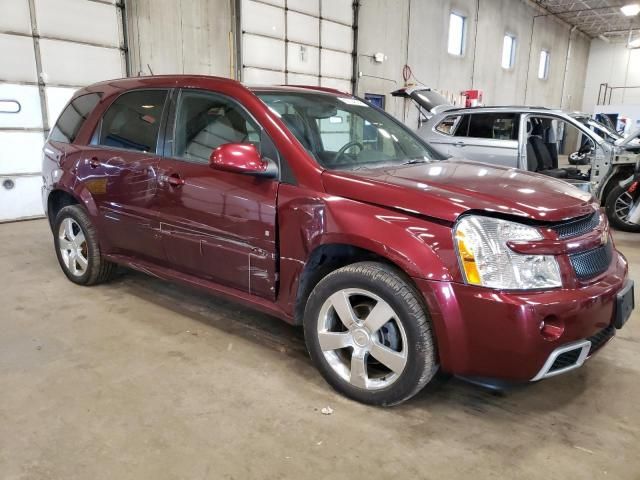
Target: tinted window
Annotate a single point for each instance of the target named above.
(133, 121)
(205, 121)
(72, 118)
(463, 127)
(498, 126)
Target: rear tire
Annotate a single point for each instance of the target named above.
(616, 206)
(369, 334)
(77, 248)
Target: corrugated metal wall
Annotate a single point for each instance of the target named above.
(297, 42)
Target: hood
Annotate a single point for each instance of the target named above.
(629, 141)
(430, 101)
(446, 189)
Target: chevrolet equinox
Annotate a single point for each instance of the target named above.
(319, 208)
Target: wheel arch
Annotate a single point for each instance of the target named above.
(619, 173)
(334, 253)
(61, 197)
(56, 201)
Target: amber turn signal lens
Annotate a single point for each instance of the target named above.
(468, 260)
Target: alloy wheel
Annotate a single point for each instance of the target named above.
(362, 339)
(623, 206)
(73, 247)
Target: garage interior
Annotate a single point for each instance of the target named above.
(140, 378)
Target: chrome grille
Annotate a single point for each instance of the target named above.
(593, 262)
(576, 227)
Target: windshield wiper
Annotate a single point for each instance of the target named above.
(413, 161)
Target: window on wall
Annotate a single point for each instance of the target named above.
(508, 51)
(456, 34)
(543, 66)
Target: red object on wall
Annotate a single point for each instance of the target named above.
(473, 98)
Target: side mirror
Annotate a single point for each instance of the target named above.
(242, 158)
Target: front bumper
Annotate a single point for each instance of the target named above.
(487, 333)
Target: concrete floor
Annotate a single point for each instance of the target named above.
(142, 379)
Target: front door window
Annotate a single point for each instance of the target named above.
(205, 121)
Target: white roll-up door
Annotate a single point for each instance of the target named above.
(50, 48)
(297, 42)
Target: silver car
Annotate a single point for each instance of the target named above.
(569, 146)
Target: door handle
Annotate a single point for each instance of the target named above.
(94, 162)
(459, 144)
(174, 180)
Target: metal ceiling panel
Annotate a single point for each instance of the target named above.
(594, 17)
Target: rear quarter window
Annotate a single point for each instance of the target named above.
(449, 124)
(73, 117)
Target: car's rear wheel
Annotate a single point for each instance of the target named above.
(77, 248)
(368, 332)
(618, 205)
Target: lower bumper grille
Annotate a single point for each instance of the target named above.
(566, 359)
(573, 355)
(593, 262)
(600, 338)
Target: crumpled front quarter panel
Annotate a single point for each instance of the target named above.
(309, 219)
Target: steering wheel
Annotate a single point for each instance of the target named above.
(346, 147)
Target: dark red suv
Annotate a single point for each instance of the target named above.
(319, 208)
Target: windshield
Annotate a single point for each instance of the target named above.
(345, 133)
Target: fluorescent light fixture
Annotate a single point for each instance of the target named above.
(634, 43)
(603, 38)
(631, 10)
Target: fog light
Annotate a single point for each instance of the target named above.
(551, 328)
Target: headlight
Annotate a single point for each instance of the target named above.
(486, 260)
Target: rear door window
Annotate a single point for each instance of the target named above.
(462, 129)
(72, 118)
(132, 122)
(497, 126)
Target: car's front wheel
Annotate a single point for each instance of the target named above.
(77, 248)
(618, 205)
(368, 332)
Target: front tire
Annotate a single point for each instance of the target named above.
(369, 334)
(78, 249)
(618, 204)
